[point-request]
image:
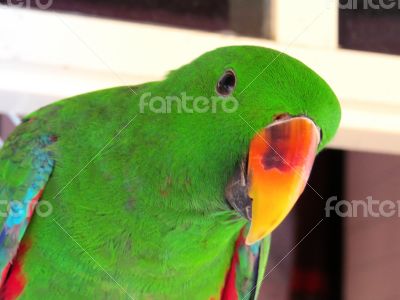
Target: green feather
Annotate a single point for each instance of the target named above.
(138, 196)
(264, 252)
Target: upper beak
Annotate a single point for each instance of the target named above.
(279, 163)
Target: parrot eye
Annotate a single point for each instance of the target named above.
(226, 83)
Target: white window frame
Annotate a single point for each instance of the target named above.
(46, 56)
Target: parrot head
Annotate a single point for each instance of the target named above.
(269, 117)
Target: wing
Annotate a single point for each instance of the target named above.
(262, 264)
(26, 163)
(246, 273)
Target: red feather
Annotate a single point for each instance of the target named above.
(15, 281)
(229, 292)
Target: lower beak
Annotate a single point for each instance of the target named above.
(279, 164)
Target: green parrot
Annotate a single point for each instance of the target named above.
(165, 190)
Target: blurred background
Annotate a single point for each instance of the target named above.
(52, 49)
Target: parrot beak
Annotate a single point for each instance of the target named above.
(279, 164)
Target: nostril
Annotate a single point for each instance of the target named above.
(280, 117)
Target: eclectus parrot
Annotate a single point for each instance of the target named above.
(115, 195)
